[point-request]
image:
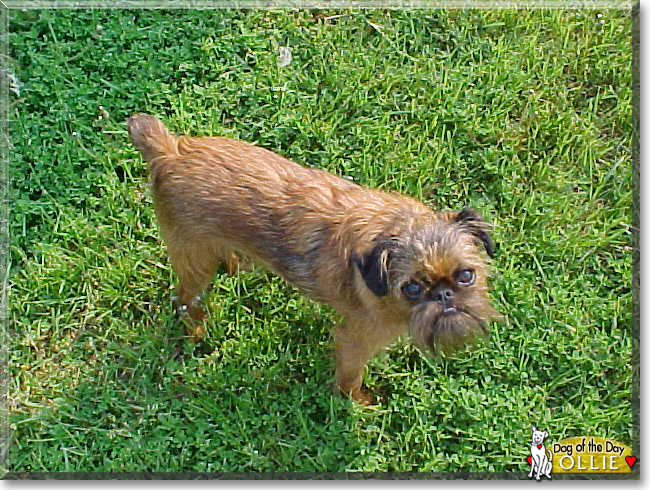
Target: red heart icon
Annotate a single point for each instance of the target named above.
(630, 460)
(539, 446)
(530, 460)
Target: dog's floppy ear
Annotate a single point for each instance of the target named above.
(473, 223)
(374, 266)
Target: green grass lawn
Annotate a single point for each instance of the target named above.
(524, 115)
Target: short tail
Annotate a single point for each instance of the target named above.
(151, 137)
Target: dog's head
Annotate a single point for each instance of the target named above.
(436, 275)
(539, 436)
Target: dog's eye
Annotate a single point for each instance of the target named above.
(465, 277)
(412, 290)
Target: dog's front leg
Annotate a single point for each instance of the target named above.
(352, 354)
(357, 341)
(540, 465)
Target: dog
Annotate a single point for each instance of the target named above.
(540, 460)
(387, 263)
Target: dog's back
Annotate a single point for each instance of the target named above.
(239, 194)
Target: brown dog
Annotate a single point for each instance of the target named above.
(384, 261)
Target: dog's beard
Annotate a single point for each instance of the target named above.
(435, 331)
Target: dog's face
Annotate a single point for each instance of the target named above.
(539, 436)
(436, 277)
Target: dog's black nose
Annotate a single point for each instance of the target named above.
(445, 294)
(446, 297)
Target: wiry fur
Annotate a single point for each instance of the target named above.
(350, 247)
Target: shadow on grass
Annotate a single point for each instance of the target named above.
(161, 404)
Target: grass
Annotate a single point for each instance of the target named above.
(525, 115)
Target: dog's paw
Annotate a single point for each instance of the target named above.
(181, 311)
(363, 396)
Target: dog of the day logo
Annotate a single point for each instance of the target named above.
(582, 454)
(540, 459)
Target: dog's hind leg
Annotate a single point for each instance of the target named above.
(195, 265)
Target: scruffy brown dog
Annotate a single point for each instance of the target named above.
(384, 261)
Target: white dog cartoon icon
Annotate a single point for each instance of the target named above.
(541, 462)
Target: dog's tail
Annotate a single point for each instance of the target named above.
(151, 137)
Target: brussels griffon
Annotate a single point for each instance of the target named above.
(386, 262)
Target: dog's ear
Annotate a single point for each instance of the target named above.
(534, 429)
(545, 434)
(473, 223)
(373, 266)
